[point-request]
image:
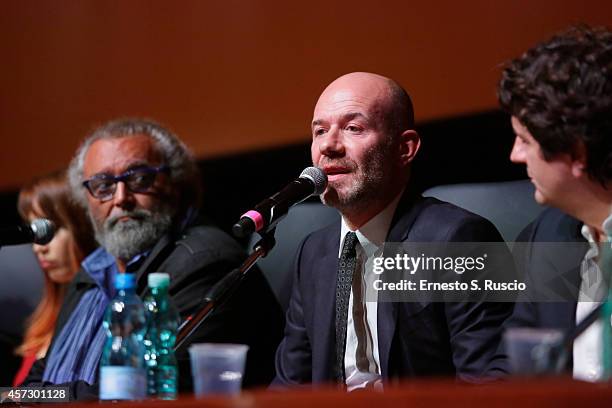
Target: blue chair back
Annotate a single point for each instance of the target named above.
(509, 205)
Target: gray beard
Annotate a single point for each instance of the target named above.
(124, 240)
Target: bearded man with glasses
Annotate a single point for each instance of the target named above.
(141, 189)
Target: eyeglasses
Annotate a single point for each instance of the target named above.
(137, 180)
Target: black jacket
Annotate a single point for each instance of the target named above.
(550, 270)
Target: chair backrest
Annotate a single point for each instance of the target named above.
(21, 287)
(509, 205)
(301, 220)
(21, 282)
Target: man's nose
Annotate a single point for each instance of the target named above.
(123, 197)
(332, 144)
(517, 155)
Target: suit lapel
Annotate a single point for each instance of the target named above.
(570, 277)
(325, 268)
(163, 248)
(568, 280)
(407, 211)
(153, 261)
(386, 322)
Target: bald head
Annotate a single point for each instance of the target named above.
(363, 138)
(392, 102)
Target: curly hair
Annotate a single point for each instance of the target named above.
(561, 90)
(184, 173)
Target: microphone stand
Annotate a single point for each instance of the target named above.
(220, 292)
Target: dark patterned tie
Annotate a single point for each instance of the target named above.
(360, 321)
(346, 267)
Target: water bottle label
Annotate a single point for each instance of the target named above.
(122, 383)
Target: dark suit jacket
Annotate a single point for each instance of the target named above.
(414, 339)
(550, 272)
(196, 259)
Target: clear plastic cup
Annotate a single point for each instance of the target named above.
(217, 368)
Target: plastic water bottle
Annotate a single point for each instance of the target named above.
(163, 320)
(122, 365)
(606, 317)
(605, 265)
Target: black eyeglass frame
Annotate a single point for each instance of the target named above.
(124, 177)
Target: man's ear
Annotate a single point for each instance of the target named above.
(410, 141)
(579, 160)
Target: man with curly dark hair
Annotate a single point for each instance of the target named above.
(559, 94)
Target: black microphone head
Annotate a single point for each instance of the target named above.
(318, 178)
(244, 227)
(43, 230)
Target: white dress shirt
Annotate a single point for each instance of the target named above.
(371, 237)
(588, 347)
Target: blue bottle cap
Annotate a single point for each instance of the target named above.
(125, 281)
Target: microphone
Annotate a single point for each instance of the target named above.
(270, 211)
(40, 231)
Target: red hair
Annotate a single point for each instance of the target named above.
(49, 197)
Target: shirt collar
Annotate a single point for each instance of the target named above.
(102, 268)
(373, 233)
(588, 233)
(607, 226)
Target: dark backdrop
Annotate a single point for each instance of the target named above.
(472, 148)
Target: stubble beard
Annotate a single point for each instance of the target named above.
(369, 182)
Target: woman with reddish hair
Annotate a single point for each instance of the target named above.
(49, 197)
